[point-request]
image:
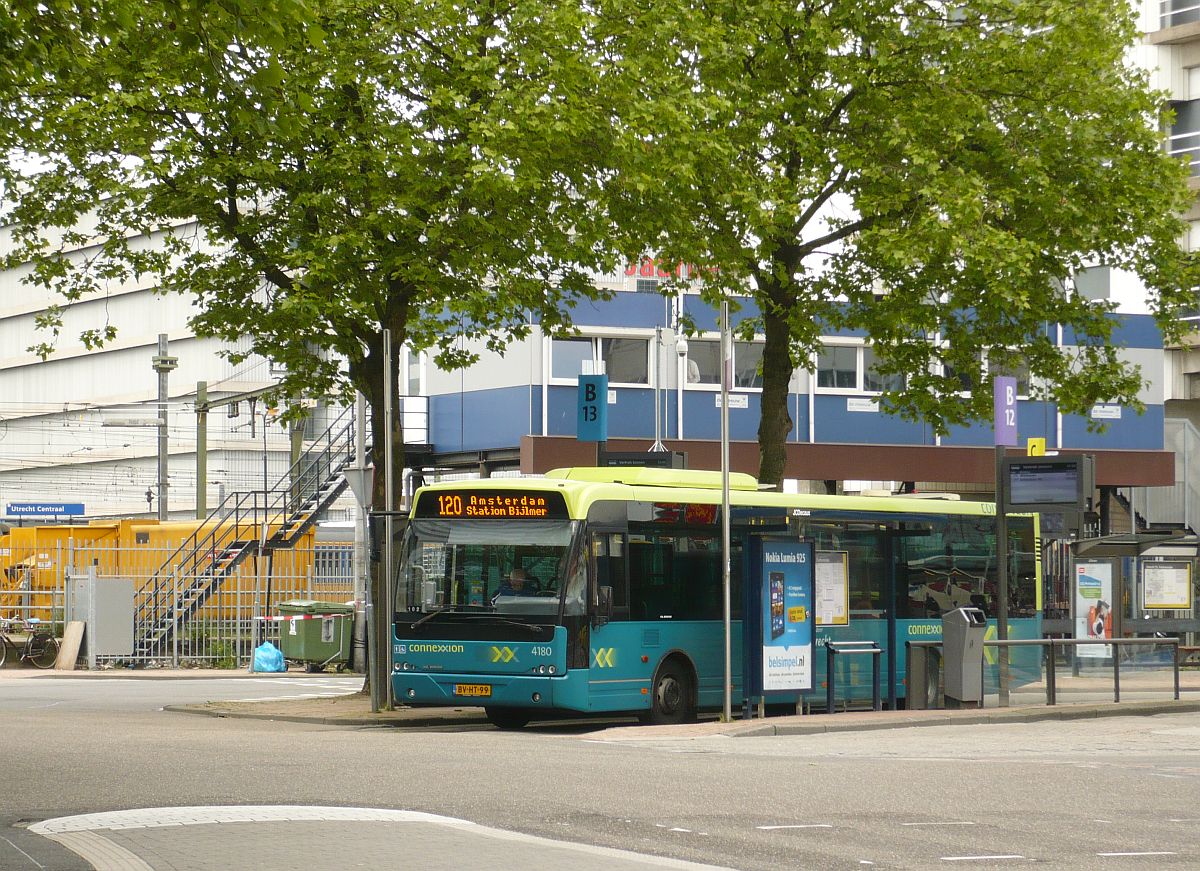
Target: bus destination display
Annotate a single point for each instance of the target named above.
(492, 505)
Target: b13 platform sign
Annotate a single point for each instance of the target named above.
(592, 419)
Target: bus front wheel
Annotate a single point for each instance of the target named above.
(671, 701)
(507, 718)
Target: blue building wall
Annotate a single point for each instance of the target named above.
(481, 420)
(835, 423)
(494, 418)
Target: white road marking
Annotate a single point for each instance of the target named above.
(1148, 853)
(285, 698)
(980, 858)
(805, 826)
(1189, 820)
(82, 833)
(22, 852)
(945, 823)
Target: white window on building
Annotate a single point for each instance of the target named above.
(626, 360)
(1018, 369)
(853, 369)
(704, 363)
(1184, 138)
(412, 365)
(837, 367)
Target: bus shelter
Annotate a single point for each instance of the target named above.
(1136, 585)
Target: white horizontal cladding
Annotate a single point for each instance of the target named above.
(19, 297)
(138, 318)
(519, 366)
(117, 374)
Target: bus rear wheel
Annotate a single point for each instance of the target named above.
(671, 700)
(507, 718)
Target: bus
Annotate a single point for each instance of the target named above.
(623, 607)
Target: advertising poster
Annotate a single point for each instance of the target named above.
(833, 588)
(788, 643)
(1093, 606)
(1167, 585)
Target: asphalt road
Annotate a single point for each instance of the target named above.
(1117, 792)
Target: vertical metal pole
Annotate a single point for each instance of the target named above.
(91, 618)
(658, 389)
(726, 379)
(829, 651)
(1051, 678)
(162, 368)
(385, 613)
(201, 450)
(1175, 660)
(175, 614)
(876, 700)
(1116, 654)
(361, 563)
(1001, 576)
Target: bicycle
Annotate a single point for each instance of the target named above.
(40, 648)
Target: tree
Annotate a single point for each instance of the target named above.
(314, 173)
(341, 168)
(934, 173)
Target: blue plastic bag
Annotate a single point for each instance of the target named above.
(268, 658)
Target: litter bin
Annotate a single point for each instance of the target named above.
(962, 654)
(318, 633)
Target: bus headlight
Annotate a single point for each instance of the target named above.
(551, 669)
(412, 694)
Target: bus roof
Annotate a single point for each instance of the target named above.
(643, 476)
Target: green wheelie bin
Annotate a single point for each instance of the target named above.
(316, 633)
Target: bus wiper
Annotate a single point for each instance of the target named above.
(536, 628)
(431, 615)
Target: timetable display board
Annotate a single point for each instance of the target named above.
(833, 588)
(474, 504)
(1167, 585)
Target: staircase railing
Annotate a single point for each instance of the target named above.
(276, 518)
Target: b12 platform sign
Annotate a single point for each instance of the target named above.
(1004, 402)
(592, 419)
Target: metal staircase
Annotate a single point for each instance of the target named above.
(276, 518)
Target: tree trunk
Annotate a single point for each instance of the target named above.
(775, 422)
(367, 375)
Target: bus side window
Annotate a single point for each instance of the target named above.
(610, 571)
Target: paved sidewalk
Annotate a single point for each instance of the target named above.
(1144, 694)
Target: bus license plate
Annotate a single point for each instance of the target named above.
(472, 689)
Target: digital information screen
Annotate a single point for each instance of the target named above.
(1043, 483)
(492, 505)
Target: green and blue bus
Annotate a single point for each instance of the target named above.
(623, 607)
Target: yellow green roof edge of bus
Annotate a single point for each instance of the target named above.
(645, 476)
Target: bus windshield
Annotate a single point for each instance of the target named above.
(470, 565)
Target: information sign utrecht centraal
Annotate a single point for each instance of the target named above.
(44, 509)
(788, 640)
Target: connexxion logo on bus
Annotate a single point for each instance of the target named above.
(429, 648)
